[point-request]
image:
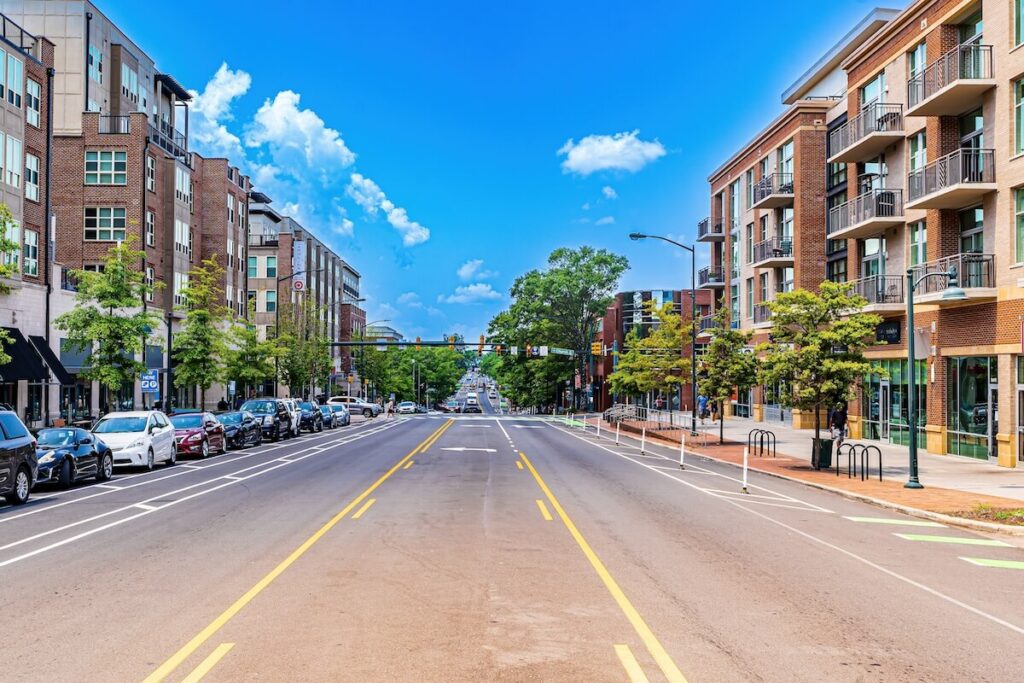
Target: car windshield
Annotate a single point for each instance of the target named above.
(190, 421)
(407, 404)
(110, 425)
(230, 418)
(324, 409)
(337, 408)
(306, 405)
(259, 406)
(56, 437)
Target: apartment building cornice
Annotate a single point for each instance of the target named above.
(782, 121)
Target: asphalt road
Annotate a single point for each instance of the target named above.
(484, 548)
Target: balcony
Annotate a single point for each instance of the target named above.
(776, 252)
(868, 215)
(762, 316)
(949, 86)
(976, 275)
(265, 240)
(884, 293)
(773, 191)
(115, 125)
(706, 325)
(867, 134)
(710, 277)
(169, 140)
(710, 232)
(956, 180)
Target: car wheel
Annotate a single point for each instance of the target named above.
(64, 478)
(150, 460)
(174, 457)
(223, 445)
(259, 438)
(205, 451)
(22, 485)
(320, 427)
(106, 469)
(367, 413)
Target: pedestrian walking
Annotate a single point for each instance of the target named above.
(702, 407)
(838, 424)
(222, 404)
(391, 409)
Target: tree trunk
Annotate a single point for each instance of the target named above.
(721, 427)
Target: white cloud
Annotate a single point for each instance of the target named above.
(607, 220)
(371, 198)
(471, 294)
(298, 136)
(435, 312)
(212, 107)
(609, 192)
(473, 270)
(620, 152)
(345, 227)
(586, 207)
(411, 300)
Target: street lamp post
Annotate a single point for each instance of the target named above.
(952, 293)
(693, 320)
(277, 317)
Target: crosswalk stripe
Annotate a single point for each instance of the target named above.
(1000, 564)
(962, 540)
(900, 522)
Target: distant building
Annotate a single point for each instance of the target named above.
(383, 333)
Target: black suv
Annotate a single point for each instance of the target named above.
(273, 416)
(18, 464)
(312, 418)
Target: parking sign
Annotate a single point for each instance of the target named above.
(151, 383)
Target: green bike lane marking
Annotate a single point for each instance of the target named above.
(962, 540)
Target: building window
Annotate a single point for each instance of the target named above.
(872, 257)
(750, 297)
(836, 175)
(271, 301)
(750, 187)
(151, 174)
(835, 271)
(150, 282)
(918, 243)
(183, 185)
(13, 257)
(918, 151)
(972, 231)
(734, 206)
(785, 158)
(252, 266)
(32, 177)
(874, 91)
(231, 209)
(31, 252)
(180, 285)
(129, 83)
(1018, 115)
(734, 304)
(106, 167)
(15, 161)
(150, 229)
(105, 224)
(916, 61)
(763, 168)
(33, 91)
(1018, 201)
(182, 237)
(1018, 22)
(271, 266)
(231, 253)
(95, 64)
(15, 80)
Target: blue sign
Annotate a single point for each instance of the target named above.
(151, 383)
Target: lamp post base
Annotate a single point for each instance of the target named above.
(913, 484)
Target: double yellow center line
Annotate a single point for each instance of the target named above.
(168, 667)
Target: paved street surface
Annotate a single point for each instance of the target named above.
(491, 548)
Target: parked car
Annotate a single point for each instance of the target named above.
(273, 415)
(341, 414)
(406, 408)
(329, 418)
(356, 405)
(69, 454)
(198, 434)
(18, 463)
(310, 417)
(241, 429)
(139, 437)
(296, 413)
(471, 408)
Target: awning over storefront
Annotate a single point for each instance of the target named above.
(25, 363)
(60, 373)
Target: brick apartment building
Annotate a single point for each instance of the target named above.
(627, 311)
(902, 148)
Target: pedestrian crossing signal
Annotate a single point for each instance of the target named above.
(418, 347)
(595, 349)
(529, 350)
(451, 343)
(480, 347)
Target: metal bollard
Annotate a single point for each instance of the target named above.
(643, 439)
(599, 427)
(617, 433)
(682, 451)
(746, 454)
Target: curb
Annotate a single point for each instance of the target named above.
(973, 524)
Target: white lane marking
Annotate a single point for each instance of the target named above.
(475, 426)
(462, 449)
(105, 486)
(528, 426)
(144, 506)
(190, 467)
(863, 560)
(741, 499)
(899, 522)
(958, 540)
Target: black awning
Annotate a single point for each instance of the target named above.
(60, 373)
(25, 361)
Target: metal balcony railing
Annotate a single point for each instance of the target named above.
(709, 275)
(115, 125)
(762, 313)
(877, 117)
(269, 240)
(773, 183)
(961, 166)
(706, 228)
(170, 140)
(973, 270)
(878, 203)
(776, 247)
(880, 289)
(706, 323)
(962, 62)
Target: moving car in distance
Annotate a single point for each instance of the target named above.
(69, 454)
(140, 437)
(17, 459)
(356, 406)
(471, 399)
(310, 417)
(330, 421)
(471, 407)
(241, 429)
(273, 415)
(406, 408)
(451, 406)
(341, 414)
(198, 434)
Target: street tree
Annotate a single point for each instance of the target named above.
(653, 362)
(817, 348)
(200, 347)
(8, 268)
(110, 322)
(249, 360)
(727, 365)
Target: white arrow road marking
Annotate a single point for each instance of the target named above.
(461, 449)
(476, 426)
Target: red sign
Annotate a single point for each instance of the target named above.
(299, 284)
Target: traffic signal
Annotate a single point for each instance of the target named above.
(451, 343)
(529, 350)
(480, 348)
(497, 349)
(418, 343)
(595, 349)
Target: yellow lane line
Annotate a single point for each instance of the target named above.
(191, 646)
(366, 506)
(408, 464)
(544, 510)
(435, 436)
(661, 656)
(519, 464)
(208, 663)
(629, 663)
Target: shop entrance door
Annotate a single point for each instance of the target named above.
(884, 401)
(993, 419)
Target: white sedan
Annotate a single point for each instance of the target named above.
(141, 438)
(406, 408)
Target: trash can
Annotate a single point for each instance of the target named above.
(821, 453)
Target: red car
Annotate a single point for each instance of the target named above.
(198, 434)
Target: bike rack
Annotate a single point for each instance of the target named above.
(765, 440)
(859, 454)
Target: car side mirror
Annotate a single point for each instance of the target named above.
(84, 441)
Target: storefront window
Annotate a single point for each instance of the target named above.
(885, 407)
(971, 400)
(34, 406)
(76, 401)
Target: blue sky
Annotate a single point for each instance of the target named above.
(422, 140)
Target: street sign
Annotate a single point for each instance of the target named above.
(231, 388)
(544, 351)
(150, 381)
(554, 350)
(299, 264)
(514, 350)
(298, 285)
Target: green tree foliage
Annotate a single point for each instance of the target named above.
(8, 268)
(817, 348)
(248, 359)
(109, 320)
(304, 349)
(200, 347)
(654, 362)
(727, 364)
